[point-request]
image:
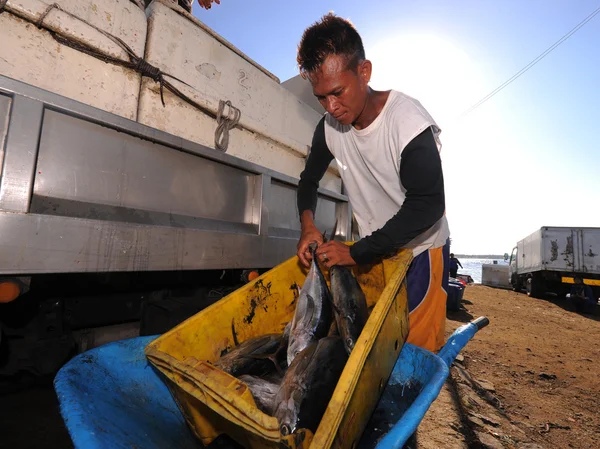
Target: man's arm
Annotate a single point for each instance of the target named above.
(421, 175)
(319, 159)
(459, 263)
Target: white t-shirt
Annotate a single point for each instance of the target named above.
(369, 164)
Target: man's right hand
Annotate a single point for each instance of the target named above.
(310, 234)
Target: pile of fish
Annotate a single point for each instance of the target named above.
(292, 375)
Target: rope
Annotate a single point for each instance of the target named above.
(40, 21)
(225, 124)
(143, 67)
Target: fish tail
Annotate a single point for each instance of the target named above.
(272, 357)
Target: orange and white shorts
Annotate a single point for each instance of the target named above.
(427, 285)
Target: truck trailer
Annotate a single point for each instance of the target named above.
(550, 258)
(148, 168)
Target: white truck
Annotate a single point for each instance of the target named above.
(548, 260)
(147, 167)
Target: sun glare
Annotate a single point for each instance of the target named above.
(430, 68)
(445, 79)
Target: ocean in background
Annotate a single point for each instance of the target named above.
(473, 266)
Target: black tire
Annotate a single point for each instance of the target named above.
(534, 286)
(516, 283)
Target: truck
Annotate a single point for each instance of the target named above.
(547, 260)
(146, 173)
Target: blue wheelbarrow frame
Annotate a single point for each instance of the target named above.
(111, 397)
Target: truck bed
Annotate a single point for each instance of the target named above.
(83, 190)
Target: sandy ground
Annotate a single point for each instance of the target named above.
(529, 380)
(540, 364)
(442, 426)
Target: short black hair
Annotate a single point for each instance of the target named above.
(331, 35)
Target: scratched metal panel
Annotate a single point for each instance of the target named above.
(5, 102)
(217, 72)
(563, 250)
(495, 275)
(31, 243)
(90, 171)
(590, 242)
(530, 253)
(283, 211)
(20, 152)
(64, 230)
(560, 249)
(276, 127)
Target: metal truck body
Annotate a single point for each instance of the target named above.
(118, 215)
(548, 259)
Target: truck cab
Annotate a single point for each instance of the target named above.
(513, 278)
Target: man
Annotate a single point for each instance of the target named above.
(582, 296)
(387, 150)
(454, 264)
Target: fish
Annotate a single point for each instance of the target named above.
(263, 391)
(313, 314)
(349, 305)
(247, 358)
(276, 357)
(333, 330)
(286, 333)
(308, 385)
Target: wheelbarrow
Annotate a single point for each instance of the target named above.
(111, 397)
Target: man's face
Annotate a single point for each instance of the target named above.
(578, 281)
(341, 90)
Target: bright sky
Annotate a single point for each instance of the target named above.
(529, 157)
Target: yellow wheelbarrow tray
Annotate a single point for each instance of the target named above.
(214, 402)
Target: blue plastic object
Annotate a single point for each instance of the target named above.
(415, 383)
(111, 397)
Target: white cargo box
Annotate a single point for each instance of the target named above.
(555, 248)
(276, 126)
(31, 55)
(495, 275)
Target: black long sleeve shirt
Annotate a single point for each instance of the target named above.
(420, 174)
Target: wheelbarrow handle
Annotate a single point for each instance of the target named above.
(460, 338)
(481, 322)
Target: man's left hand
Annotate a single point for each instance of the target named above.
(335, 253)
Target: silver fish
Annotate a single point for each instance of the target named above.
(277, 357)
(349, 305)
(286, 333)
(308, 385)
(263, 391)
(251, 357)
(313, 316)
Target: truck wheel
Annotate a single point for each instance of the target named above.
(516, 283)
(534, 287)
